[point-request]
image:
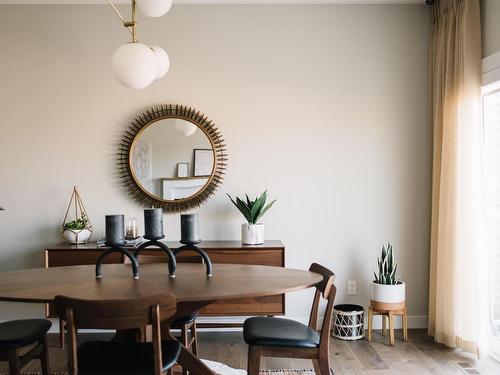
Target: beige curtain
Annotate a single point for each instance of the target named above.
(458, 281)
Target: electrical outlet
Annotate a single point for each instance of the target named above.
(351, 287)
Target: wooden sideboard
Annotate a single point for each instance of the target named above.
(271, 253)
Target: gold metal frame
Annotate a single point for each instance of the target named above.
(130, 25)
(149, 117)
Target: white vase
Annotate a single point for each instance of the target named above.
(388, 296)
(77, 237)
(252, 234)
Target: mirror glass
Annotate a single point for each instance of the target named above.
(172, 159)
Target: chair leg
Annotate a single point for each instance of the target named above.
(14, 363)
(253, 360)
(322, 366)
(62, 324)
(194, 337)
(44, 357)
(317, 369)
(185, 342)
(370, 318)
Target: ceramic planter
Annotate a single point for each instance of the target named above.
(76, 237)
(388, 297)
(252, 234)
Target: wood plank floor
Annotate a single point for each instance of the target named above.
(418, 356)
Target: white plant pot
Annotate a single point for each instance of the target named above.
(252, 234)
(77, 237)
(392, 296)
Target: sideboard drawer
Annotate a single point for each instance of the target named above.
(78, 258)
(259, 258)
(272, 305)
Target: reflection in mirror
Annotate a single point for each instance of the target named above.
(159, 156)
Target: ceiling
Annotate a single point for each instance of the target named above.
(221, 1)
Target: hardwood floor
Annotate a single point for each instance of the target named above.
(418, 356)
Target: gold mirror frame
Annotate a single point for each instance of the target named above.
(151, 116)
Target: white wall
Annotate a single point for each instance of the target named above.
(325, 106)
(490, 17)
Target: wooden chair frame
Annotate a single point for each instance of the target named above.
(115, 314)
(320, 355)
(18, 361)
(189, 336)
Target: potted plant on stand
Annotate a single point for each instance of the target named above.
(387, 297)
(387, 289)
(252, 232)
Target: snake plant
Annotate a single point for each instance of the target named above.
(387, 267)
(252, 210)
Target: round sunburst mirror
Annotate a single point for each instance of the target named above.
(173, 157)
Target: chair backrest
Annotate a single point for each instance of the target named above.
(327, 290)
(115, 314)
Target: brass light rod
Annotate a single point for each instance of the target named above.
(129, 25)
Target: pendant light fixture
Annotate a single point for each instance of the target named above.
(154, 8)
(137, 65)
(185, 128)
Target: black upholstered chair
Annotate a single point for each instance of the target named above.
(110, 357)
(18, 334)
(277, 337)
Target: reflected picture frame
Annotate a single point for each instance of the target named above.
(182, 170)
(203, 162)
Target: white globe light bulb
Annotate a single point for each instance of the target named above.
(162, 60)
(154, 8)
(185, 128)
(135, 65)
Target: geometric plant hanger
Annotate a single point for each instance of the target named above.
(78, 222)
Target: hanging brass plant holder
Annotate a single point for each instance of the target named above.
(79, 230)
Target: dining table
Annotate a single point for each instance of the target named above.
(191, 286)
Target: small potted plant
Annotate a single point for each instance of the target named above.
(252, 232)
(78, 231)
(387, 291)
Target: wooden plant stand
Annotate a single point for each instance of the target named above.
(388, 311)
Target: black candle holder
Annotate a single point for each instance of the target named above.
(116, 249)
(192, 247)
(154, 241)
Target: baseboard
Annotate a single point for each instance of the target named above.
(414, 322)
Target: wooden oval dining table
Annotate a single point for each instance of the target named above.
(192, 288)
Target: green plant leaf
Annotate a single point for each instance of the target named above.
(257, 207)
(242, 207)
(387, 267)
(265, 209)
(244, 210)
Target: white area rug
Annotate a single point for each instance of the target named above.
(223, 369)
(220, 369)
